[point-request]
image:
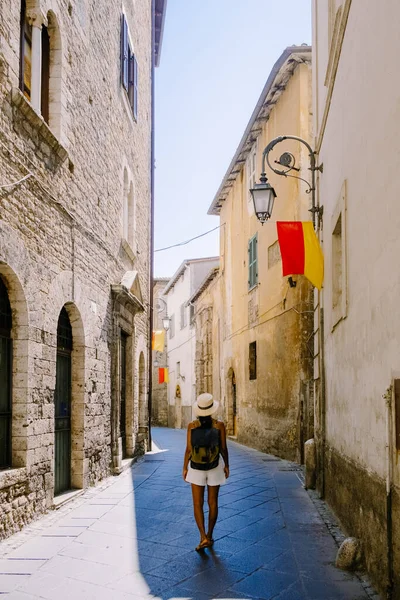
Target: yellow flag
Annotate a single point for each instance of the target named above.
(159, 340)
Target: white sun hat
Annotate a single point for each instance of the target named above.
(205, 405)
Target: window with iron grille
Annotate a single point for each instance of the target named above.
(253, 262)
(129, 68)
(253, 360)
(5, 377)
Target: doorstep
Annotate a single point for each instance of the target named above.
(65, 497)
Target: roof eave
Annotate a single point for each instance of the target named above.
(284, 60)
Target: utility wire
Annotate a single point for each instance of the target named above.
(188, 241)
(8, 185)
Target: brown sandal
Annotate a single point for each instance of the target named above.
(204, 544)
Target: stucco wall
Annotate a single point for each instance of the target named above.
(360, 151)
(277, 318)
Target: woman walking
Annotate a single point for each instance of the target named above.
(206, 441)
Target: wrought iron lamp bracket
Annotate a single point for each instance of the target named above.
(288, 161)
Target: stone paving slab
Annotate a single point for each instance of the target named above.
(133, 537)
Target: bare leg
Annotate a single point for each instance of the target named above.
(213, 491)
(198, 502)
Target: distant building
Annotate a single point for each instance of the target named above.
(205, 304)
(182, 338)
(266, 326)
(159, 400)
(75, 196)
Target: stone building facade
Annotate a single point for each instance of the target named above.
(266, 326)
(207, 334)
(75, 189)
(159, 396)
(357, 131)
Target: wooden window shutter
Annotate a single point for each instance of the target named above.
(135, 87)
(124, 53)
(255, 254)
(249, 260)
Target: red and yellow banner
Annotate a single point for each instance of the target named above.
(158, 340)
(300, 251)
(163, 376)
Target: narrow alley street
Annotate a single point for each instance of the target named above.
(134, 537)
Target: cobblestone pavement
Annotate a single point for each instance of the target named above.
(134, 537)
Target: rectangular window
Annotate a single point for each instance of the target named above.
(172, 327)
(253, 266)
(45, 82)
(337, 263)
(339, 260)
(192, 315)
(183, 316)
(253, 360)
(129, 68)
(25, 54)
(178, 369)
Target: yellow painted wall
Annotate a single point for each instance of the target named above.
(268, 408)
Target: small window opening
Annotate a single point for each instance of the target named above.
(25, 54)
(253, 360)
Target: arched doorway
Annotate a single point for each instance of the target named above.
(123, 386)
(62, 405)
(143, 422)
(178, 408)
(5, 376)
(232, 403)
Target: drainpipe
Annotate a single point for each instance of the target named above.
(151, 294)
(388, 396)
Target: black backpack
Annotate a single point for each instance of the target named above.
(206, 445)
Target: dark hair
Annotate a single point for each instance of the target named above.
(206, 422)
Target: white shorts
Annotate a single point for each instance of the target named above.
(212, 477)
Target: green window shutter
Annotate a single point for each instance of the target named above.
(253, 262)
(249, 260)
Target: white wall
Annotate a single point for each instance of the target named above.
(361, 146)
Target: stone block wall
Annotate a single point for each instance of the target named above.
(61, 244)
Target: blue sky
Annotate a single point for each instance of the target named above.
(216, 57)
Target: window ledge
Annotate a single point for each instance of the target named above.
(253, 287)
(131, 251)
(10, 477)
(37, 122)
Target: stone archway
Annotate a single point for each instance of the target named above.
(19, 352)
(231, 408)
(69, 401)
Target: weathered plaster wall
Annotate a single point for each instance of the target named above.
(358, 145)
(276, 317)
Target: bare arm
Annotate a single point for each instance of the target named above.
(224, 449)
(188, 451)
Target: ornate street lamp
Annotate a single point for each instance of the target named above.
(263, 199)
(264, 195)
(160, 306)
(166, 321)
